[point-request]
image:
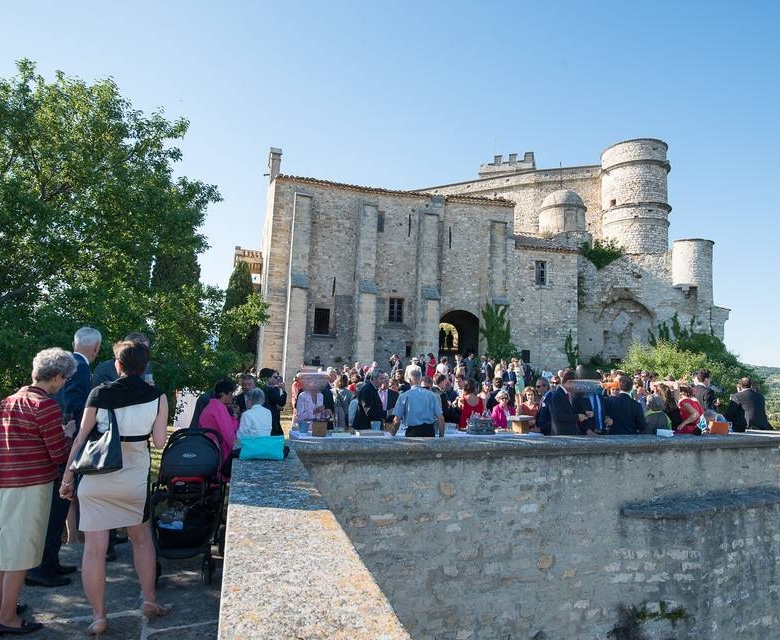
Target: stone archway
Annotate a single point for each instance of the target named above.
(626, 321)
(458, 333)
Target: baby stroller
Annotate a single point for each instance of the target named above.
(187, 498)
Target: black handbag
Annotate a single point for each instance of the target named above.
(102, 452)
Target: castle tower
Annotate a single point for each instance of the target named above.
(692, 269)
(635, 211)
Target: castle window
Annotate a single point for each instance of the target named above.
(540, 273)
(612, 203)
(396, 310)
(380, 222)
(321, 321)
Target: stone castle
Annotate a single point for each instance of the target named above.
(359, 273)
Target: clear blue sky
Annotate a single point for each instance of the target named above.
(412, 94)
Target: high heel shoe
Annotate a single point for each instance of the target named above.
(98, 627)
(154, 610)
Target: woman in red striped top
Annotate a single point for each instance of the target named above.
(32, 444)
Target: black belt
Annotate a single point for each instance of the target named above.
(133, 438)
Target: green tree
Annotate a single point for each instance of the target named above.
(243, 311)
(496, 331)
(97, 230)
(572, 351)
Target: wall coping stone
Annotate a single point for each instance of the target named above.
(682, 507)
(327, 450)
(312, 586)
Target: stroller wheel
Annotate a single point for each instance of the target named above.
(207, 569)
(221, 539)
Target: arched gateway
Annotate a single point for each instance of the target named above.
(458, 333)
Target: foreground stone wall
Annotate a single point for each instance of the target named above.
(550, 538)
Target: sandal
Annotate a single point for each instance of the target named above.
(98, 627)
(27, 627)
(154, 610)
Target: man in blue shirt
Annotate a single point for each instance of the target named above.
(419, 409)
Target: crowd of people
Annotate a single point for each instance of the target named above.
(614, 402)
(44, 424)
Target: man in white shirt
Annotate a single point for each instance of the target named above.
(256, 420)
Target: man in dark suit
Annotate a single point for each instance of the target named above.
(563, 418)
(247, 382)
(275, 398)
(106, 370)
(625, 412)
(72, 398)
(747, 408)
(701, 389)
(491, 401)
(389, 397)
(369, 406)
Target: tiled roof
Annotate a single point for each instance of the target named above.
(545, 244)
(501, 202)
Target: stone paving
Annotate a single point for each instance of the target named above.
(65, 612)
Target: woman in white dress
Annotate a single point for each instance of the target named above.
(120, 499)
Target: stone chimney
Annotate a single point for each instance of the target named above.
(274, 163)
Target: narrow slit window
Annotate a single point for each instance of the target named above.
(321, 321)
(380, 222)
(396, 310)
(540, 273)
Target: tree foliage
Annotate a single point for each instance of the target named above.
(496, 331)
(237, 294)
(678, 351)
(602, 252)
(97, 230)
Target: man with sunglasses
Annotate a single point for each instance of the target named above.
(275, 398)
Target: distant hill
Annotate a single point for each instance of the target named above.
(767, 372)
(772, 377)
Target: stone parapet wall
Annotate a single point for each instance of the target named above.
(493, 539)
(290, 571)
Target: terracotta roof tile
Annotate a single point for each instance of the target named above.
(545, 244)
(500, 202)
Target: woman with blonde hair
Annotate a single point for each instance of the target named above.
(529, 405)
(120, 499)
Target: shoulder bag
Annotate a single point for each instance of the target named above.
(102, 452)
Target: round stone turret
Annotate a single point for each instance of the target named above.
(692, 268)
(635, 211)
(562, 211)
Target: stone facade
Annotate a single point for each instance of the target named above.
(522, 538)
(359, 273)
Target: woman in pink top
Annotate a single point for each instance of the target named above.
(217, 416)
(502, 411)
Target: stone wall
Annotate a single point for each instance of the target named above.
(551, 537)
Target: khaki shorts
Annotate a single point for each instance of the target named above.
(24, 516)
